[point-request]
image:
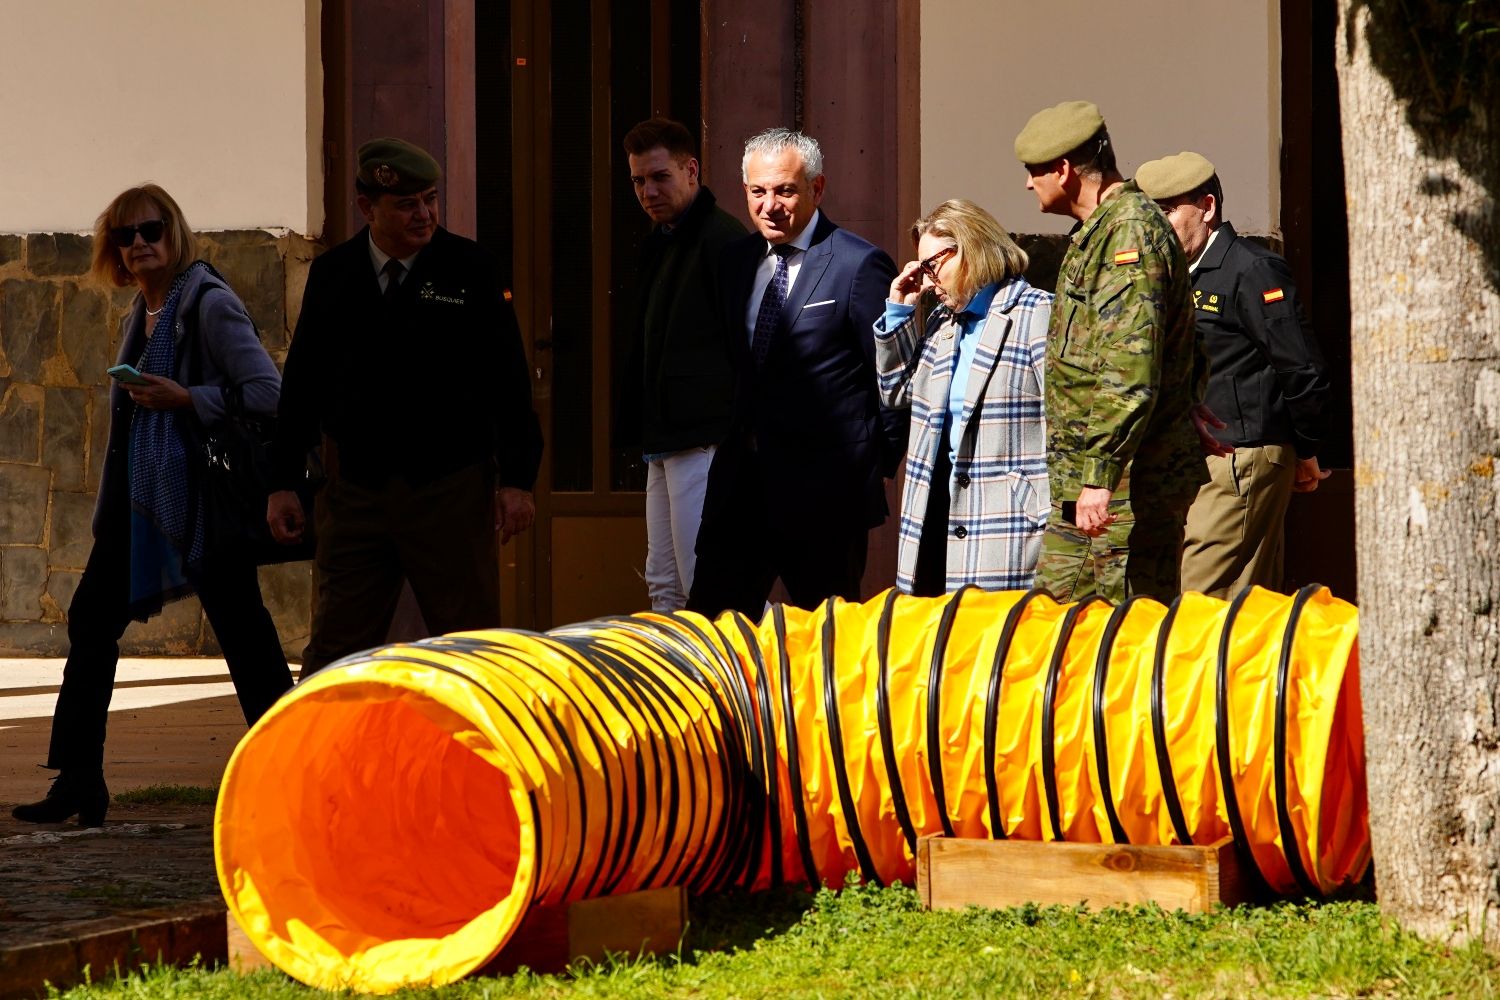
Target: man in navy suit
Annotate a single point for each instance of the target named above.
(796, 487)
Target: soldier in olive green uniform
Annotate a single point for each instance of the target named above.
(1124, 370)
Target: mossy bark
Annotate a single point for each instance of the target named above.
(1418, 100)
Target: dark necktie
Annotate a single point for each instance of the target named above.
(393, 271)
(769, 316)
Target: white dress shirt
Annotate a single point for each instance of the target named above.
(1193, 265)
(379, 257)
(767, 270)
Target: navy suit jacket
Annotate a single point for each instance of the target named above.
(812, 410)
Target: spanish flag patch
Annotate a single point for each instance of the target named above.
(1128, 257)
(1274, 295)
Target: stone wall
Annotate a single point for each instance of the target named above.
(58, 333)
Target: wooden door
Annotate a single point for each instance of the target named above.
(558, 84)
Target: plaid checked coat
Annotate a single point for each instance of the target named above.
(999, 490)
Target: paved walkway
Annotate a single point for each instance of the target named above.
(64, 892)
(172, 721)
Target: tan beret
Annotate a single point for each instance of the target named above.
(397, 167)
(1171, 176)
(1057, 130)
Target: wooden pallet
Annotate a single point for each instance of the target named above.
(954, 873)
(550, 937)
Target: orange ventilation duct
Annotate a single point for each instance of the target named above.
(389, 822)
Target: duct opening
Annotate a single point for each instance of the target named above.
(382, 829)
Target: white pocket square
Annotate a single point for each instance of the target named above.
(825, 302)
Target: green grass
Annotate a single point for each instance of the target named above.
(868, 942)
(170, 795)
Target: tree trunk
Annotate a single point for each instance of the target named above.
(1419, 156)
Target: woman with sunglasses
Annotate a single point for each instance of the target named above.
(190, 348)
(975, 501)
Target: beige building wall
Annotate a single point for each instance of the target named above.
(1167, 75)
(219, 101)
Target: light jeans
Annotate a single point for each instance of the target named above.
(675, 485)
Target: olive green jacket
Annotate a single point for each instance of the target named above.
(1124, 363)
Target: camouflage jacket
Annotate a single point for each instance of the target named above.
(1124, 364)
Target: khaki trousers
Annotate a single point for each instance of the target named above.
(1234, 528)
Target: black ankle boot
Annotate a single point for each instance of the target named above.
(73, 792)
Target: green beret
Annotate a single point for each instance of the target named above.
(1058, 130)
(1171, 176)
(396, 167)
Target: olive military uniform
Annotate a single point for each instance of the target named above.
(1123, 372)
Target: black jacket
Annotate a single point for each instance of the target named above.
(418, 388)
(677, 341)
(1266, 374)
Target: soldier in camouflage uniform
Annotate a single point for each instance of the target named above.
(1124, 370)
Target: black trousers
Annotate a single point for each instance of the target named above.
(931, 576)
(751, 535)
(440, 536)
(230, 595)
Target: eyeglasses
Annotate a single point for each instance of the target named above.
(931, 264)
(151, 231)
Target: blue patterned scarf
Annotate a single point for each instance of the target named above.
(166, 512)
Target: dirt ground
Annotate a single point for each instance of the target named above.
(144, 856)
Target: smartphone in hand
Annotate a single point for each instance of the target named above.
(127, 374)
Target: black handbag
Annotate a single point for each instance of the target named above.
(230, 464)
(232, 467)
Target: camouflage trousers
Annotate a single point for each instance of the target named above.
(1140, 553)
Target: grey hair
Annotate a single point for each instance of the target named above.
(775, 140)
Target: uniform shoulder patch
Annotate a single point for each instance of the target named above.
(1131, 256)
(1274, 295)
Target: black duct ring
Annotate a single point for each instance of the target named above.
(883, 719)
(992, 712)
(935, 704)
(1159, 727)
(793, 763)
(1101, 741)
(768, 737)
(1221, 739)
(1283, 813)
(1049, 711)
(836, 743)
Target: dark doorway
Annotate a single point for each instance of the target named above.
(1314, 223)
(557, 86)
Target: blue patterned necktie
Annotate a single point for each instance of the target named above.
(769, 316)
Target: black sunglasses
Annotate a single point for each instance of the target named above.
(151, 231)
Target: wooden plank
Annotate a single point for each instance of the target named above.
(243, 955)
(954, 873)
(650, 922)
(540, 944)
(550, 937)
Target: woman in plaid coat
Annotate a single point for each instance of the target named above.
(976, 498)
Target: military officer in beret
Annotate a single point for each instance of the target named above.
(408, 363)
(1268, 385)
(1123, 371)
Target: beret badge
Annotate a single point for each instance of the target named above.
(386, 176)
